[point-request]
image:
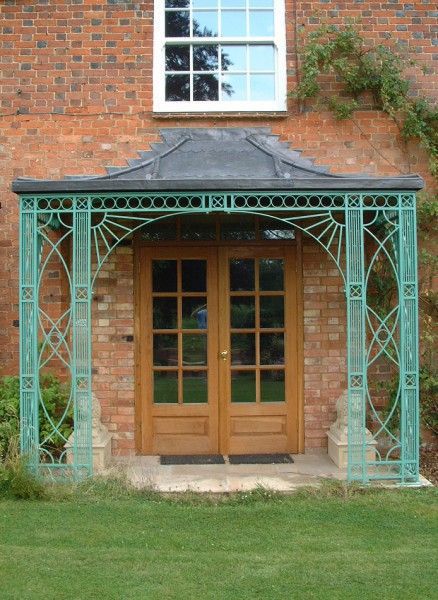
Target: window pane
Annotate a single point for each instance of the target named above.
(238, 228)
(161, 230)
(177, 58)
(205, 23)
(271, 274)
(243, 349)
(194, 350)
(164, 275)
(165, 350)
(177, 23)
(177, 3)
(205, 3)
(242, 311)
(205, 87)
(233, 58)
(166, 387)
(233, 23)
(164, 313)
(205, 58)
(177, 88)
(261, 23)
(275, 230)
(243, 386)
(262, 87)
(271, 311)
(241, 274)
(272, 349)
(261, 3)
(194, 313)
(195, 387)
(194, 275)
(234, 88)
(261, 58)
(233, 3)
(272, 386)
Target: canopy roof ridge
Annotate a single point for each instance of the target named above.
(215, 158)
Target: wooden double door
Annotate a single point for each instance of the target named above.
(217, 350)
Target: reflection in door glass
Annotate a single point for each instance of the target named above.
(271, 311)
(195, 387)
(241, 274)
(194, 349)
(165, 350)
(194, 313)
(272, 386)
(242, 312)
(272, 349)
(271, 274)
(243, 386)
(166, 387)
(194, 275)
(164, 275)
(243, 349)
(164, 313)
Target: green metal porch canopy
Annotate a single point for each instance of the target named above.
(361, 221)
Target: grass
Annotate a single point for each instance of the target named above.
(103, 540)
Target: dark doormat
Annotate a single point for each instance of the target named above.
(260, 459)
(189, 459)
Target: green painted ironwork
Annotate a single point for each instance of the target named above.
(360, 231)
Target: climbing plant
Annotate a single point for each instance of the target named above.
(362, 73)
(366, 72)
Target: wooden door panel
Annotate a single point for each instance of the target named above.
(252, 425)
(177, 364)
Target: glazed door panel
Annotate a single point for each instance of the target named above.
(258, 342)
(177, 368)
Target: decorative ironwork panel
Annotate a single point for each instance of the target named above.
(361, 232)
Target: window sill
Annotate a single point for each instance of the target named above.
(268, 114)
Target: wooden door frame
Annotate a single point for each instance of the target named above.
(141, 413)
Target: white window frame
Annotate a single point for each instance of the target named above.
(279, 40)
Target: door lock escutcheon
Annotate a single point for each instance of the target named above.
(223, 355)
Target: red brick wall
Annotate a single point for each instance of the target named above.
(76, 95)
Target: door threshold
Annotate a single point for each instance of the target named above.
(219, 459)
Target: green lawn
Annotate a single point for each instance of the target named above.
(381, 545)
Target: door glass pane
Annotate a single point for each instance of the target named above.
(243, 386)
(272, 386)
(241, 274)
(194, 275)
(194, 313)
(275, 230)
(242, 312)
(238, 228)
(165, 350)
(166, 387)
(164, 276)
(272, 349)
(271, 274)
(195, 387)
(243, 349)
(162, 230)
(271, 311)
(194, 349)
(164, 313)
(178, 23)
(198, 228)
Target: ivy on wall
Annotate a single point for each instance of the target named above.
(340, 59)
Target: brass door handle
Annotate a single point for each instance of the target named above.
(223, 355)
